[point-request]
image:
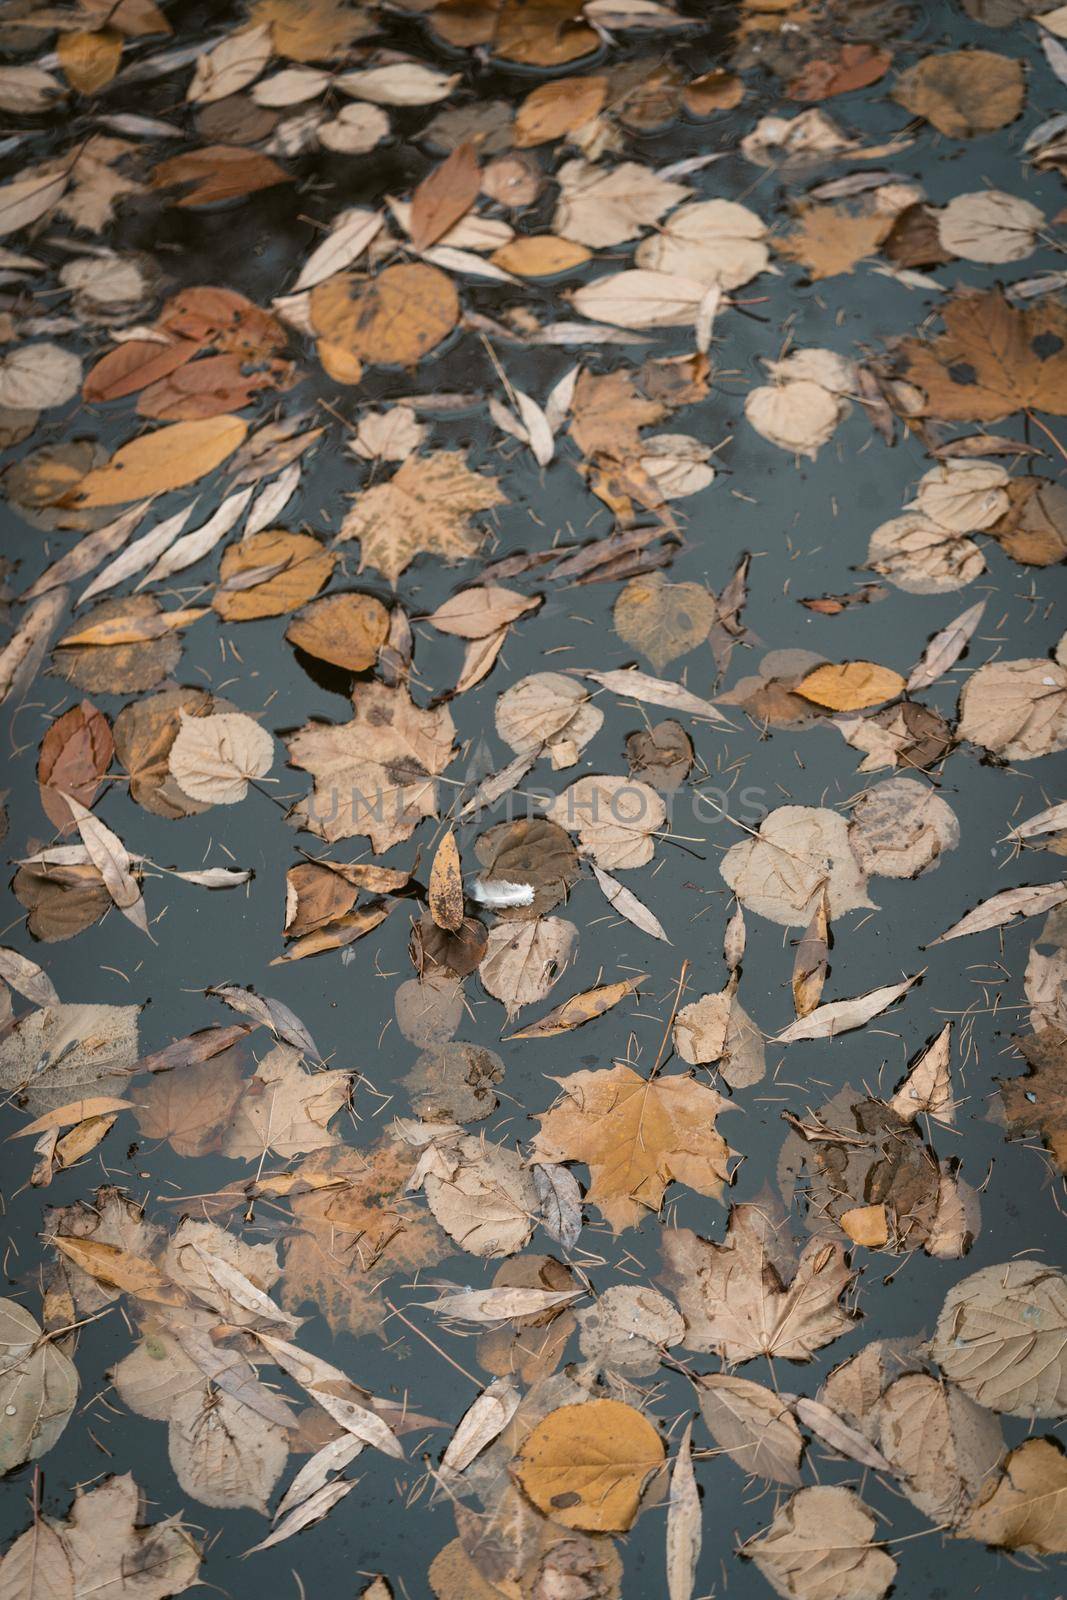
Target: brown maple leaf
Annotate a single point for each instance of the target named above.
(607, 413)
(376, 774)
(751, 1295)
(285, 1108)
(1039, 1100)
(425, 509)
(635, 1136)
(829, 240)
(992, 360)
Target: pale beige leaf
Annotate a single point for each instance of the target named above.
(1016, 709)
(841, 1016)
(799, 853)
(684, 1529)
(287, 1110)
(1003, 909)
(523, 961)
(942, 1446)
(752, 1295)
(231, 66)
(214, 758)
(224, 1454)
(1002, 1337)
(820, 1546)
(489, 1203)
(754, 1427)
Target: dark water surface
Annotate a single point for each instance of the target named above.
(807, 528)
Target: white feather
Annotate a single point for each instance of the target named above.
(501, 895)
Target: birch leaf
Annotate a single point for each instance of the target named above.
(753, 1426)
(586, 1465)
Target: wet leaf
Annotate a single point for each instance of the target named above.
(964, 92)
(1000, 1338)
(586, 1465)
(579, 1009)
(820, 1546)
(167, 459)
(753, 1426)
(425, 508)
(753, 1295)
(636, 1136)
(214, 758)
(1024, 1509)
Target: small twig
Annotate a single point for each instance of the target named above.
(670, 1020)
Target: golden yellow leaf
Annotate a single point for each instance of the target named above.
(540, 255)
(850, 686)
(134, 628)
(294, 566)
(347, 630)
(395, 317)
(635, 1136)
(312, 30)
(169, 458)
(89, 60)
(586, 1465)
(556, 108)
(866, 1225)
(338, 362)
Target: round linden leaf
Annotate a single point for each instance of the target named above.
(395, 317)
(213, 758)
(1002, 1335)
(38, 376)
(347, 630)
(585, 1465)
(923, 557)
(664, 620)
(989, 226)
(798, 416)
